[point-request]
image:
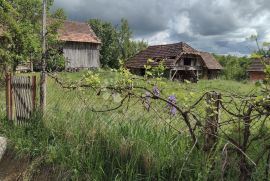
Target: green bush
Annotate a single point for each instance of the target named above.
(235, 68)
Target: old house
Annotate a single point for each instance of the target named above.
(80, 45)
(256, 69)
(182, 62)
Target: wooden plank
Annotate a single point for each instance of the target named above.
(34, 93)
(174, 74)
(24, 90)
(25, 98)
(11, 101)
(18, 93)
(14, 87)
(8, 97)
(29, 97)
(81, 55)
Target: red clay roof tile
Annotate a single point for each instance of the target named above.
(257, 65)
(77, 32)
(170, 53)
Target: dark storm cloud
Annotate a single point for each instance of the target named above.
(219, 26)
(144, 16)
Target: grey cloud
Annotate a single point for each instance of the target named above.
(219, 26)
(144, 17)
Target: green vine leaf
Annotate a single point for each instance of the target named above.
(117, 98)
(106, 96)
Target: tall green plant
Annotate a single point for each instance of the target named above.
(21, 25)
(20, 40)
(235, 68)
(117, 42)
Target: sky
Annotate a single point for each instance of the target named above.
(217, 26)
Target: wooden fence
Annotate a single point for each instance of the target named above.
(20, 97)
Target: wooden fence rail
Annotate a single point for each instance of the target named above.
(20, 97)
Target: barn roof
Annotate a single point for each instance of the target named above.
(210, 61)
(257, 65)
(77, 32)
(170, 53)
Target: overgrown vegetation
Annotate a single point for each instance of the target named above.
(20, 38)
(235, 68)
(117, 42)
(125, 144)
(111, 125)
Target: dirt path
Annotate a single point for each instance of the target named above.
(13, 168)
(3, 146)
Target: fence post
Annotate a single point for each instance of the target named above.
(213, 100)
(9, 104)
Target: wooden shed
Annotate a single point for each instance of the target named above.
(182, 62)
(256, 69)
(81, 46)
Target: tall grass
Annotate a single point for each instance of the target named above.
(126, 144)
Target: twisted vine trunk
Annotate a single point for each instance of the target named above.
(211, 125)
(245, 168)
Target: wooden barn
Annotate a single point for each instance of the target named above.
(256, 69)
(81, 45)
(182, 62)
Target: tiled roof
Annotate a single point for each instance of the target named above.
(257, 65)
(77, 32)
(210, 61)
(170, 53)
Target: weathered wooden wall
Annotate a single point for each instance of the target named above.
(81, 55)
(255, 76)
(196, 60)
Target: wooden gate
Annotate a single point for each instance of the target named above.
(20, 97)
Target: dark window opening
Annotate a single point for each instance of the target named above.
(187, 61)
(158, 59)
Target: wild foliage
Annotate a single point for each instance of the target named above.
(103, 125)
(235, 68)
(20, 38)
(20, 23)
(117, 42)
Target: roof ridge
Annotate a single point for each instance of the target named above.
(73, 21)
(188, 46)
(166, 44)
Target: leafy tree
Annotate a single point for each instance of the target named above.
(59, 14)
(124, 37)
(263, 50)
(55, 58)
(128, 46)
(20, 42)
(109, 48)
(117, 42)
(235, 68)
(137, 46)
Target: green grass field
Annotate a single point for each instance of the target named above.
(125, 144)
